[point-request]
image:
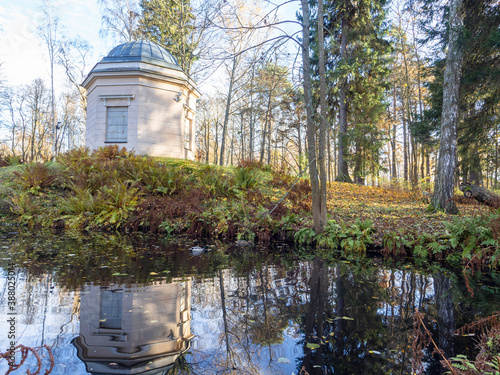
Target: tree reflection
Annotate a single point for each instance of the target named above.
(252, 314)
(348, 323)
(445, 314)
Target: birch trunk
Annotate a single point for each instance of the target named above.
(443, 189)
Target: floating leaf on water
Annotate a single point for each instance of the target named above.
(344, 317)
(374, 352)
(469, 334)
(283, 360)
(312, 345)
(154, 321)
(72, 255)
(153, 273)
(332, 333)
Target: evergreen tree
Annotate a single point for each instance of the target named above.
(356, 57)
(170, 23)
(479, 84)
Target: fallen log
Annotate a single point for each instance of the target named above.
(481, 195)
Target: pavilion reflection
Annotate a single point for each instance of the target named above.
(132, 329)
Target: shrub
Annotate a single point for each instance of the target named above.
(351, 240)
(109, 206)
(246, 178)
(395, 244)
(35, 177)
(305, 236)
(23, 206)
(156, 177)
(115, 204)
(112, 152)
(215, 182)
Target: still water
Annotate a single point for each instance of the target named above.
(111, 305)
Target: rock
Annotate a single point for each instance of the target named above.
(197, 250)
(243, 243)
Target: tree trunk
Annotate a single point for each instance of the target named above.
(443, 189)
(266, 130)
(405, 148)
(322, 120)
(394, 175)
(242, 137)
(251, 119)
(207, 140)
(343, 171)
(311, 136)
(226, 114)
(216, 143)
(481, 195)
(496, 159)
(445, 314)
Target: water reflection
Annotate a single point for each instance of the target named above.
(250, 313)
(132, 329)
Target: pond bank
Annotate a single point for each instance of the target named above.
(115, 190)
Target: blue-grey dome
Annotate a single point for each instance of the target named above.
(144, 51)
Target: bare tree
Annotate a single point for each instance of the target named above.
(120, 18)
(241, 37)
(73, 57)
(49, 32)
(39, 108)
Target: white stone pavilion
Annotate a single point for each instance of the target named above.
(139, 98)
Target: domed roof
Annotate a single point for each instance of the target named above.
(144, 51)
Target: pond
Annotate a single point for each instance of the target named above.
(114, 305)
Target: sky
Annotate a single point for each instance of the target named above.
(23, 55)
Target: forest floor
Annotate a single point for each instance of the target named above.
(394, 209)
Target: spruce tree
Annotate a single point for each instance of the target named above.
(356, 55)
(171, 24)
